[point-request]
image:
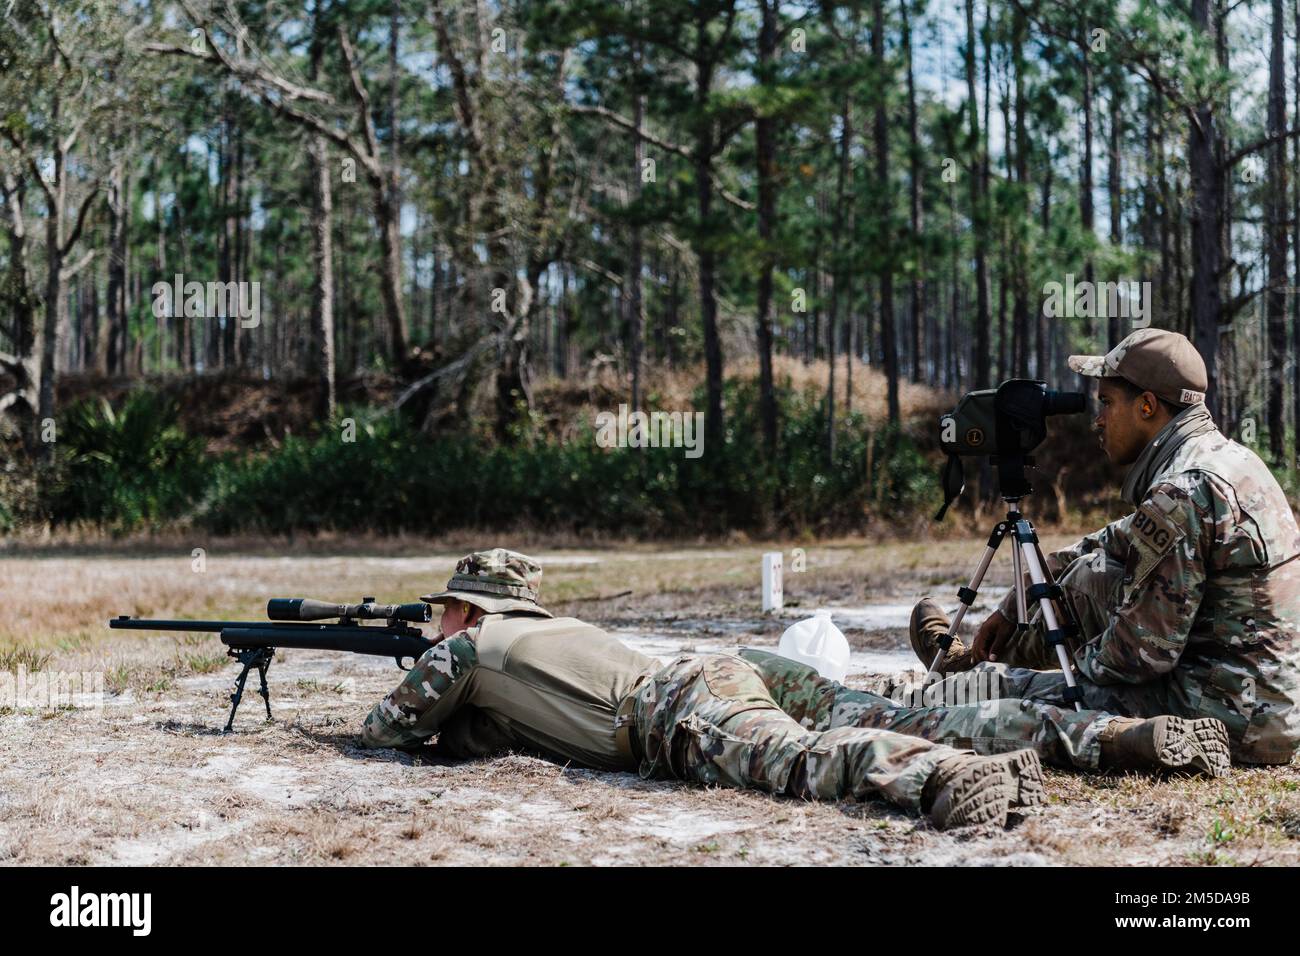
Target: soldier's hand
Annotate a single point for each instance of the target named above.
(992, 637)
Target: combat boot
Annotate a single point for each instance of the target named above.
(968, 789)
(1166, 743)
(928, 624)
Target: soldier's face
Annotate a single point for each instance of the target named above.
(456, 616)
(1120, 426)
(453, 618)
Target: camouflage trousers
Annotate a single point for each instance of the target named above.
(1029, 672)
(713, 719)
(988, 724)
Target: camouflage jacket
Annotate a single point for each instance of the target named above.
(1210, 598)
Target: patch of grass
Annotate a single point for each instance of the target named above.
(32, 660)
(1285, 818)
(117, 679)
(708, 847)
(1221, 832)
(194, 639)
(74, 642)
(204, 663)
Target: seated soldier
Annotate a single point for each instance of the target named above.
(508, 675)
(1189, 606)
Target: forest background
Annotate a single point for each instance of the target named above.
(378, 266)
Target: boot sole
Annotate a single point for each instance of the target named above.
(1199, 744)
(981, 793)
(1027, 772)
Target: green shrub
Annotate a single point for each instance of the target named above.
(390, 478)
(123, 468)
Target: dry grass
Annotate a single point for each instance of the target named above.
(151, 780)
(567, 401)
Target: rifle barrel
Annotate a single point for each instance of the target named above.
(143, 624)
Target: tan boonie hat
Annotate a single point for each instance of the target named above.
(1155, 360)
(496, 580)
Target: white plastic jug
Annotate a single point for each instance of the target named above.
(818, 643)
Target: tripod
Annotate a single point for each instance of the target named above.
(1044, 590)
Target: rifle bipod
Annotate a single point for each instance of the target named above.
(1059, 622)
(250, 657)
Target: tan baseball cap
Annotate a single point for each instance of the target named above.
(1155, 360)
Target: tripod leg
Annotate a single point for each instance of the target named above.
(966, 596)
(1022, 604)
(1064, 610)
(1043, 592)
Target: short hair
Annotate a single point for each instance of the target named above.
(1133, 391)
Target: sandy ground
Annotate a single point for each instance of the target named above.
(148, 777)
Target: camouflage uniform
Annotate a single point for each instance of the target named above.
(565, 689)
(1058, 734)
(1190, 606)
(713, 718)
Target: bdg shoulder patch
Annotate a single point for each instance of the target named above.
(1155, 532)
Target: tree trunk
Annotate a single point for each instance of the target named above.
(704, 251)
(838, 270)
(1020, 296)
(765, 145)
(1276, 239)
(1295, 243)
(19, 300)
(1041, 331)
(635, 320)
(979, 212)
(1086, 210)
(888, 336)
(322, 247)
(1114, 187)
(118, 211)
(914, 199)
(1207, 206)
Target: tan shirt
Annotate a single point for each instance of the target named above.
(516, 680)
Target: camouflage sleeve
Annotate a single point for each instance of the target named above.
(1166, 547)
(430, 693)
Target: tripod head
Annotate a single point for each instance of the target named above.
(1005, 424)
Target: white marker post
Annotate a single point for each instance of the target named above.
(773, 593)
